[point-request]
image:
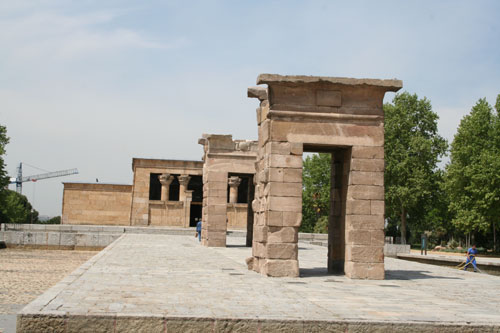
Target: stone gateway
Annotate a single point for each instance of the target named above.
(340, 116)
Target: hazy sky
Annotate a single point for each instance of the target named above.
(91, 84)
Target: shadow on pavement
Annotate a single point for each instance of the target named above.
(316, 271)
(414, 275)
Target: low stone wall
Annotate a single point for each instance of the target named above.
(392, 250)
(97, 237)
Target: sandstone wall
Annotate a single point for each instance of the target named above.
(99, 204)
(237, 216)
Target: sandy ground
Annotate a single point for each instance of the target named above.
(27, 273)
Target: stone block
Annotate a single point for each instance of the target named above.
(273, 219)
(357, 270)
(37, 323)
(215, 185)
(280, 268)
(292, 219)
(29, 238)
(328, 98)
(264, 132)
(358, 207)
(377, 237)
(377, 207)
(83, 324)
(291, 175)
(236, 325)
(258, 249)
(358, 237)
(296, 148)
(364, 222)
(370, 165)
(283, 161)
(366, 178)
(368, 152)
(216, 209)
(86, 239)
(260, 233)
(284, 204)
(274, 174)
(365, 192)
(14, 237)
(282, 235)
(282, 251)
(279, 148)
(212, 200)
(53, 238)
(140, 324)
(216, 176)
(363, 253)
(67, 239)
(283, 189)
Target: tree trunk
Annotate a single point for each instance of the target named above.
(403, 225)
(494, 238)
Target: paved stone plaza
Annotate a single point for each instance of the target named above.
(171, 283)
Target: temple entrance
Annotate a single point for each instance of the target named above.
(195, 213)
(336, 205)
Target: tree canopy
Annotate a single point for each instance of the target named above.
(316, 191)
(473, 174)
(413, 148)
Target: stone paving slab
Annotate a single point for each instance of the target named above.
(171, 283)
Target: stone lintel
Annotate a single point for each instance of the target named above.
(389, 85)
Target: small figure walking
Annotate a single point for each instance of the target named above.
(471, 258)
(198, 230)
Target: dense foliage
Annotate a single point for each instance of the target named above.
(17, 209)
(316, 191)
(473, 174)
(413, 148)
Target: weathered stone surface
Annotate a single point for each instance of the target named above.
(366, 222)
(358, 270)
(140, 324)
(358, 237)
(366, 178)
(284, 204)
(377, 207)
(282, 250)
(371, 165)
(292, 175)
(281, 268)
(284, 161)
(365, 192)
(260, 233)
(368, 152)
(283, 189)
(282, 235)
(365, 254)
(292, 219)
(358, 207)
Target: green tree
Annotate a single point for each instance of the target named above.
(413, 148)
(473, 176)
(4, 179)
(316, 190)
(17, 209)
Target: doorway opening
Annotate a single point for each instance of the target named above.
(325, 183)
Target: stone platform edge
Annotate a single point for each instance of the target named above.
(143, 323)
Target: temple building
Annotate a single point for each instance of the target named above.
(170, 192)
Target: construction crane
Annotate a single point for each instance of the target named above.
(19, 180)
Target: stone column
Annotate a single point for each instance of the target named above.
(187, 208)
(165, 180)
(364, 220)
(233, 182)
(183, 186)
(214, 225)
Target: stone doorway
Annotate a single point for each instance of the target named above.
(339, 180)
(344, 116)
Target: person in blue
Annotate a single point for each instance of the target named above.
(471, 258)
(198, 230)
